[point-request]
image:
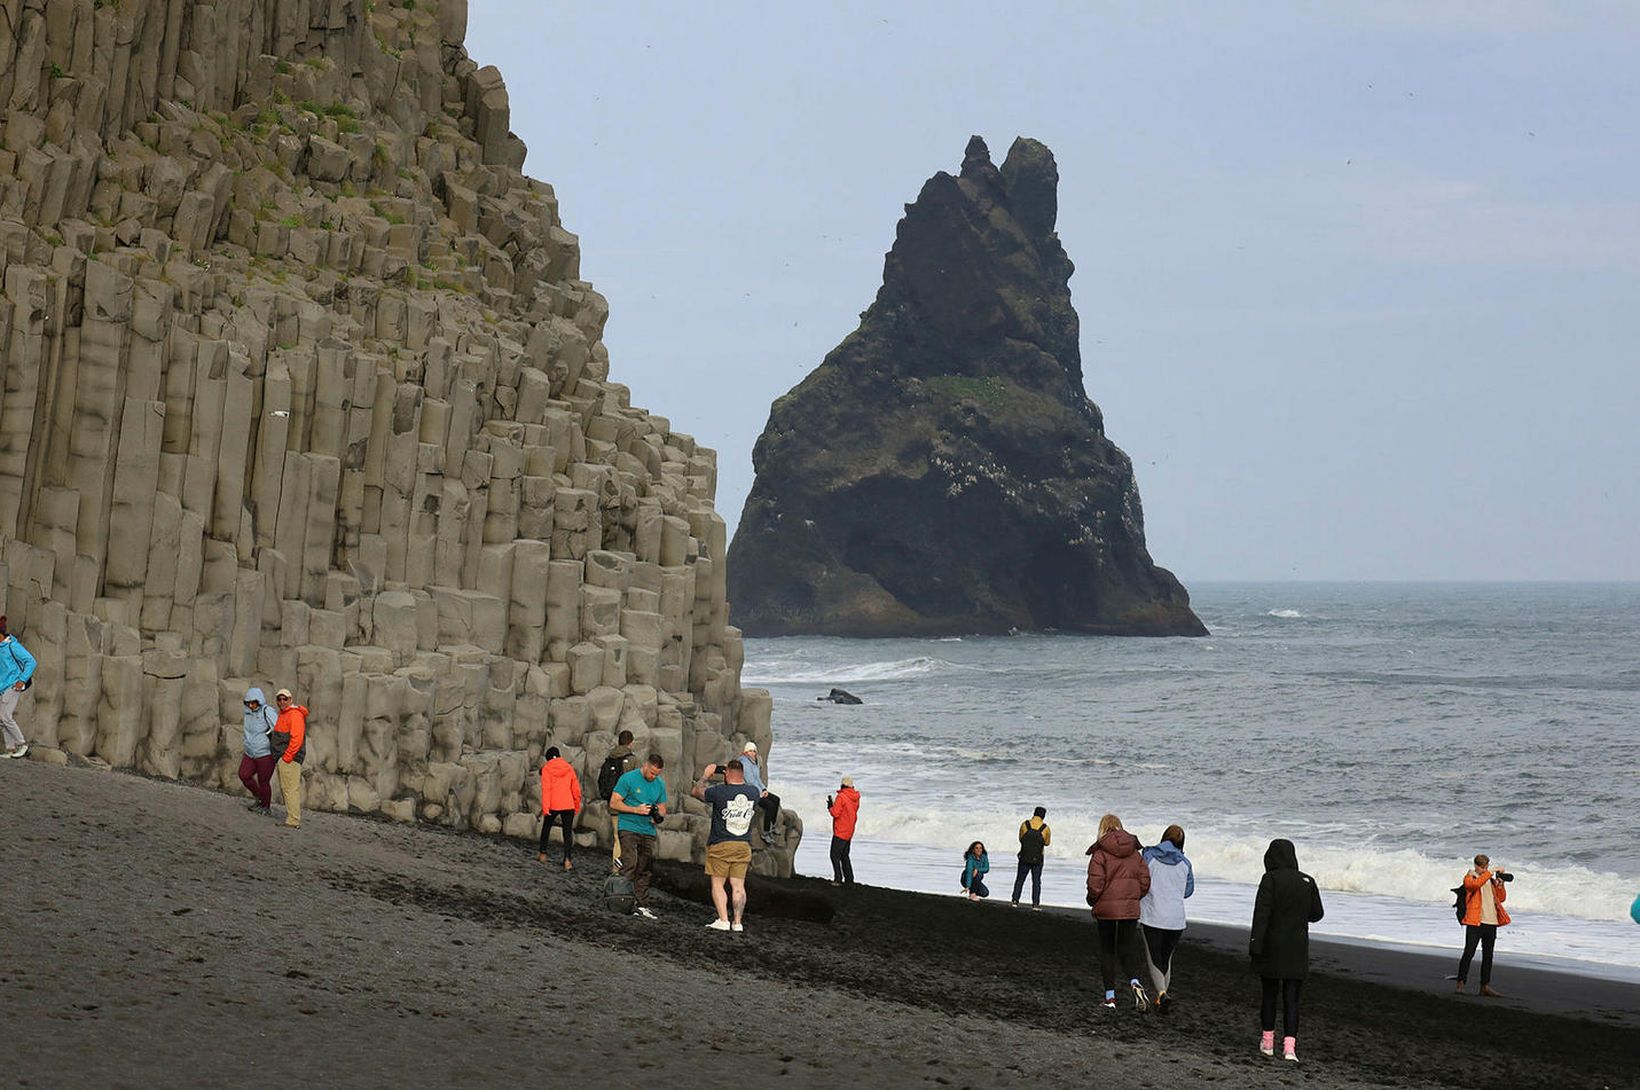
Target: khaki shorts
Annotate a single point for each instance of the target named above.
(728, 859)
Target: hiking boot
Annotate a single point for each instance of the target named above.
(643, 911)
(1486, 990)
(540, 857)
(568, 865)
(720, 925)
(1289, 1049)
(1141, 1001)
(1267, 1043)
(1460, 987)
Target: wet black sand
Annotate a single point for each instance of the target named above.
(161, 935)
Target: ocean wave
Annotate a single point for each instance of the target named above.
(775, 673)
(1285, 614)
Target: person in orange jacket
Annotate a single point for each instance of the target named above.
(844, 810)
(292, 722)
(560, 802)
(1484, 894)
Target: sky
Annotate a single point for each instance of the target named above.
(1359, 284)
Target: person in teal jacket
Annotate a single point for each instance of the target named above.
(1634, 909)
(16, 675)
(975, 865)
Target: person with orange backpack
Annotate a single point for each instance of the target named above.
(1483, 895)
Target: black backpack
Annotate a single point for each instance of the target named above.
(1460, 901)
(1031, 843)
(619, 895)
(609, 772)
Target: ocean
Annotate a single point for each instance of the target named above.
(1391, 731)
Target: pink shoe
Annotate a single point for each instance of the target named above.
(1289, 1049)
(1267, 1043)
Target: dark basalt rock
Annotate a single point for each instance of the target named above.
(840, 696)
(943, 471)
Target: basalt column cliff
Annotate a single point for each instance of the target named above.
(301, 387)
(943, 472)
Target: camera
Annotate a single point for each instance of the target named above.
(1503, 876)
(656, 816)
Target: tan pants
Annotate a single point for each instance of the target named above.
(290, 786)
(615, 839)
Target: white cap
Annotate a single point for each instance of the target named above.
(750, 747)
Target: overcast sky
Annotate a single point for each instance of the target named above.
(1359, 284)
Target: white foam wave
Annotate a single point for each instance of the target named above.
(1285, 614)
(776, 673)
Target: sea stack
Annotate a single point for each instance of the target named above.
(943, 471)
(302, 388)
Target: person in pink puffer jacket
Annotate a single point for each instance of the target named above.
(1118, 880)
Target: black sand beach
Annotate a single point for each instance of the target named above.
(157, 934)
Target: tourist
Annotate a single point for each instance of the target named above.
(1117, 880)
(256, 765)
(16, 676)
(290, 733)
(1484, 893)
(1634, 909)
(639, 800)
(976, 864)
(729, 844)
(1161, 911)
(560, 803)
(844, 811)
(1034, 836)
(769, 804)
(1288, 903)
(618, 763)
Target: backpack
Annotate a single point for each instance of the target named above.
(619, 896)
(609, 772)
(1031, 843)
(1460, 902)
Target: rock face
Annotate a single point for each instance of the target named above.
(943, 472)
(301, 387)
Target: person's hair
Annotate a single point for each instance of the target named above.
(624, 738)
(1041, 812)
(1174, 836)
(735, 766)
(657, 760)
(1482, 860)
(976, 844)
(552, 751)
(1107, 823)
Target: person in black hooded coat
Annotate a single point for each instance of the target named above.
(1288, 903)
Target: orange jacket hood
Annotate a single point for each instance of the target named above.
(560, 786)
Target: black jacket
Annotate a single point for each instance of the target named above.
(1288, 903)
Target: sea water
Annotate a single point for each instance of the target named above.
(1391, 731)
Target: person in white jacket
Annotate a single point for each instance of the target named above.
(1161, 912)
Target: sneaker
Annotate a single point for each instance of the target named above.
(253, 805)
(1036, 908)
(20, 751)
(737, 927)
(1267, 1043)
(1162, 1002)
(715, 925)
(265, 811)
(568, 865)
(645, 913)
(1013, 904)
(1141, 1001)
(1289, 1049)
(1109, 1003)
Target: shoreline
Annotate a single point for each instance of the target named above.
(159, 931)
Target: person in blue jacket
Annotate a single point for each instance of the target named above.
(975, 865)
(16, 675)
(1634, 909)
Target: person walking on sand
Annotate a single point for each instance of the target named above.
(256, 765)
(618, 763)
(1161, 910)
(560, 802)
(1288, 902)
(769, 804)
(16, 676)
(729, 844)
(290, 730)
(976, 864)
(640, 800)
(1117, 880)
(845, 811)
(1483, 914)
(1034, 838)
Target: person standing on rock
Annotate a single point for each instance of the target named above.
(769, 804)
(845, 811)
(256, 766)
(560, 802)
(729, 845)
(1117, 881)
(620, 761)
(639, 800)
(1034, 838)
(290, 732)
(16, 676)
(1161, 912)
(1288, 902)
(1483, 914)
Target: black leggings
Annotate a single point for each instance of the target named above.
(1034, 869)
(1487, 935)
(770, 805)
(1289, 989)
(1119, 942)
(841, 869)
(566, 818)
(1160, 942)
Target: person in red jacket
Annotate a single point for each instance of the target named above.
(292, 721)
(844, 810)
(560, 802)
(1484, 893)
(1118, 879)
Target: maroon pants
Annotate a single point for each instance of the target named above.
(256, 773)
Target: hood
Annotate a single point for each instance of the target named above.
(1281, 855)
(1165, 852)
(1117, 842)
(847, 791)
(557, 769)
(255, 694)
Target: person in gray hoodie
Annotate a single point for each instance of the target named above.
(256, 766)
(1161, 911)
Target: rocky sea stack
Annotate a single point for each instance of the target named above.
(302, 387)
(943, 471)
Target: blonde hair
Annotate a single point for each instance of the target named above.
(1107, 823)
